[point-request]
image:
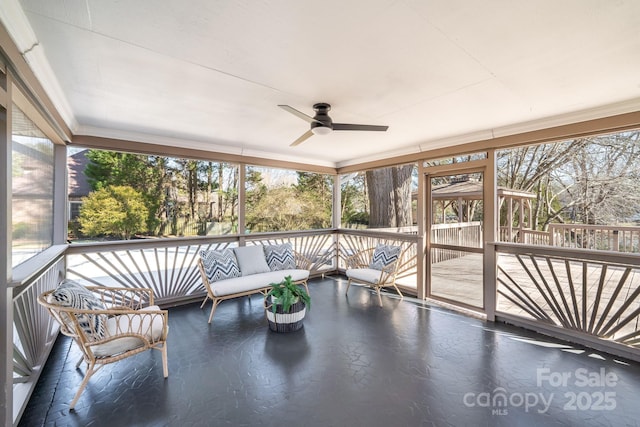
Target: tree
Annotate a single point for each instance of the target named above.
(284, 208)
(530, 169)
(599, 185)
(318, 189)
(389, 192)
(588, 180)
(146, 174)
(113, 210)
(354, 207)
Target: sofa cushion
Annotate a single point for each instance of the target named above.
(251, 260)
(220, 264)
(384, 255)
(74, 295)
(259, 281)
(280, 257)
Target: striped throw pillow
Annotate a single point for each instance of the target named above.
(384, 255)
(220, 265)
(280, 257)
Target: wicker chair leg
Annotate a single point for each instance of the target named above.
(165, 366)
(204, 302)
(213, 308)
(79, 362)
(85, 381)
(379, 297)
(348, 285)
(398, 291)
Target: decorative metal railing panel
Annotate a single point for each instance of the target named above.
(34, 332)
(587, 292)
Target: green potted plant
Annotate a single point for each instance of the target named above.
(286, 305)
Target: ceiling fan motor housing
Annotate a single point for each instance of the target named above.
(322, 119)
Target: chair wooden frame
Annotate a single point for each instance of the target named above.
(125, 302)
(361, 259)
(300, 260)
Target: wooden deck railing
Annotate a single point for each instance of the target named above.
(597, 237)
(169, 266)
(579, 236)
(588, 295)
(466, 234)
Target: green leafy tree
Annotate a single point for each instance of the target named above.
(146, 174)
(316, 189)
(283, 208)
(355, 206)
(114, 210)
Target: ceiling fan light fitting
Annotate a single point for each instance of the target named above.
(321, 130)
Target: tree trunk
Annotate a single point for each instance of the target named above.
(402, 194)
(389, 192)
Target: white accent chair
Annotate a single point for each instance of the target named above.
(375, 267)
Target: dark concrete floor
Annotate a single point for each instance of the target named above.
(353, 364)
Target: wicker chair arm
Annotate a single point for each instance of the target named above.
(132, 323)
(68, 317)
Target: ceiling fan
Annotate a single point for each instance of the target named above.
(321, 123)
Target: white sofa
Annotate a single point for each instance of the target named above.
(245, 270)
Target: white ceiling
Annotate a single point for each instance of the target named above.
(209, 74)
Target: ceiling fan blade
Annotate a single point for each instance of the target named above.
(350, 126)
(308, 134)
(297, 113)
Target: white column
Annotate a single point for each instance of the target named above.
(336, 217)
(242, 200)
(422, 221)
(490, 235)
(336, 213)
(60, 193)
(6, 293)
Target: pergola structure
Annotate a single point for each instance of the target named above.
(518, 203)
(204, 81)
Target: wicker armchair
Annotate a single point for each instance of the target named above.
(375, 267)
(113, 324)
